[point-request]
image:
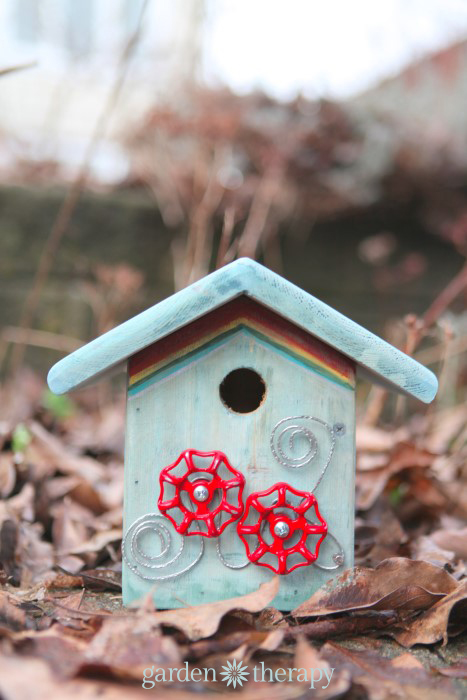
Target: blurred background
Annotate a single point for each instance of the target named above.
(144, 143)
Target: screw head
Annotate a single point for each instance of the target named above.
(201, 493)
(281, 529)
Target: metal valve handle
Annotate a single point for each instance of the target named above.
(282, 527)
(201, 493)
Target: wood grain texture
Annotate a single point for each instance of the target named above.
(184, 410)
(381, 362)
(217, 325)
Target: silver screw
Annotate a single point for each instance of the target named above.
(281, 529)
(201, 493)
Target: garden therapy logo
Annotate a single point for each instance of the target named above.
(234, 673)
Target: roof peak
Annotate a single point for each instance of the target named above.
(380, 360)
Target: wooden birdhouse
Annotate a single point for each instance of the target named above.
(240, 438)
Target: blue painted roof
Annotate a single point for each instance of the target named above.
(379, 360)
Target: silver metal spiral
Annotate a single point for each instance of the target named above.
(338, 557)
(279, 435)
(144, 565)
(289, 428)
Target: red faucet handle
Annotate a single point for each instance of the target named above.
(286, 534)
(201, 494)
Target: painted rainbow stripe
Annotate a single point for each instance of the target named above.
(220, 324)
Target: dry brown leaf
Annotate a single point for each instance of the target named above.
(7, 474)
(55, 456)
(36, 557)
(388, 679)
(371, 483)
(432, 625)
(371, 439)
(23, 678)
(395, 584)
(63, 580)
(448, 424)
(458, 670)
(201, 621)
(72, 601)
(272, 640)
(98, 541)
(452, 540)
(19, 506)
(336, 680)
(102, 579)
(69, 530)
(425, 549)
(11, 614)
(126, 645)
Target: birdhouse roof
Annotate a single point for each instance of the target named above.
(377, 359)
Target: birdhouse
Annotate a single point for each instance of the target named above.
(240, 437)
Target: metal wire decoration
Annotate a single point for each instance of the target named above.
(224, 561)
(338, 557)
(289, 428)
(145, 566)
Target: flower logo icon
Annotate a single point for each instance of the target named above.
(234, 673)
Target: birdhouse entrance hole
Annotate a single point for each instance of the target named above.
(242, 390)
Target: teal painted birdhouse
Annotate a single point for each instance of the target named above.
(240, 441)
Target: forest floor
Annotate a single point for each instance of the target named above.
(393, 627)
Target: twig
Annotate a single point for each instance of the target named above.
(455, 287)
(259, 212)
(16, 69)
(65, 213)
(416, 331)
(343, 626)
(41, 339)
(226, 236)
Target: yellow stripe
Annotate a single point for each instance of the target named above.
(277, 337)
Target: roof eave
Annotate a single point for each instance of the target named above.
(385, 363)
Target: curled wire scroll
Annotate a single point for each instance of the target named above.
(146, 566)
(289, 429)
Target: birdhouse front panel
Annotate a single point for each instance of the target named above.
(239, 460)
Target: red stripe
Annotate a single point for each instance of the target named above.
(238, 308)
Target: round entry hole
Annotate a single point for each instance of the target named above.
(242, 390)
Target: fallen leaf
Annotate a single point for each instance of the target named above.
(388, 679)
(432, 625)
(54, 455)
(102, 579)
(7, 474)
(452, 540)
(395, 584)
(307, 657)
(371, 439)
(371, 483)
(202, 621)
(8, 546)
(426, 549)
(11, 614)
(272, 640)
(98, 541)
(458, 670)
(22, 678)
(127, 644)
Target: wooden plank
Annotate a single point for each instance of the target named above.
(383, 362)
(184, 410)
(223, 322)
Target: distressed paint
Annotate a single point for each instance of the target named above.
(379, 360)
(178, 353)
(185, 410)
(217, 326)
